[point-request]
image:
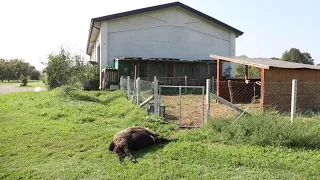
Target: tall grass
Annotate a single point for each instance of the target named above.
(264, 130)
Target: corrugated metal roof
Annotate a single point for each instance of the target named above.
(266, 63)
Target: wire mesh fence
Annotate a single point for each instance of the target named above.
(233, 98)
(308, 97)
(277, 96)
(184, 104)
(192, 106)
(127, 84)
(169, 99)
(188, 105)
(146, 89)
(255, 97)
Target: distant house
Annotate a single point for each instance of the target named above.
(168, 40)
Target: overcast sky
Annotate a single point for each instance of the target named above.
(31, 29)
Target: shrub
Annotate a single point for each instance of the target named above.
(24, 80)
(91, 77)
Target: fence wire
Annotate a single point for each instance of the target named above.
(183, 105)
(308, 98)
(146, 89)
(277, 97)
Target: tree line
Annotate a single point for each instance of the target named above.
(14, 69)
(292, 55)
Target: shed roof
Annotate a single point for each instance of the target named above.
(266, 63)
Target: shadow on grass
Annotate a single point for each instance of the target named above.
(137, 154)
(170, 117)
(83, 97)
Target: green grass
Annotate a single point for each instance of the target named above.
(50, 135)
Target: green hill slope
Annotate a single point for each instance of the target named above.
(49, 135)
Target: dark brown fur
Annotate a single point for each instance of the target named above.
(133, 138)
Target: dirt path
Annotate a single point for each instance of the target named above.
(12, 88)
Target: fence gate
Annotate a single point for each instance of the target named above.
(184, 105)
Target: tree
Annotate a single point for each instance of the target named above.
(253, 72)
(3, 70)
(13, 69)
(64, 69)
(35, 74)
(295, 55)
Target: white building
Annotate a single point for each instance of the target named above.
(172, 30)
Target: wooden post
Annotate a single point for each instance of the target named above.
(262, 90)
(138, 90)
(208, 91)
(230, 91)
(246, 72)
(218, 76)
(146, 101)
(294, 99)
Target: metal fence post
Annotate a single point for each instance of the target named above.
(156, 99)
(294, 99)
(121, 83)
(129, 87)
(138, 90)
(208, 91)
(212, 85)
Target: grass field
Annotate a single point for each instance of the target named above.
(50, 135)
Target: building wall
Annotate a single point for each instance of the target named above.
(168, 33)
(104, 45)
(93, 56)
(278, 88)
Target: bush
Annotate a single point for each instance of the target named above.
(24, 80)
(274, 130)
(91, 77)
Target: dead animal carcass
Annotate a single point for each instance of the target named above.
(133, 138)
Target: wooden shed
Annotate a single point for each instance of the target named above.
(168, 70)
(274, 84)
